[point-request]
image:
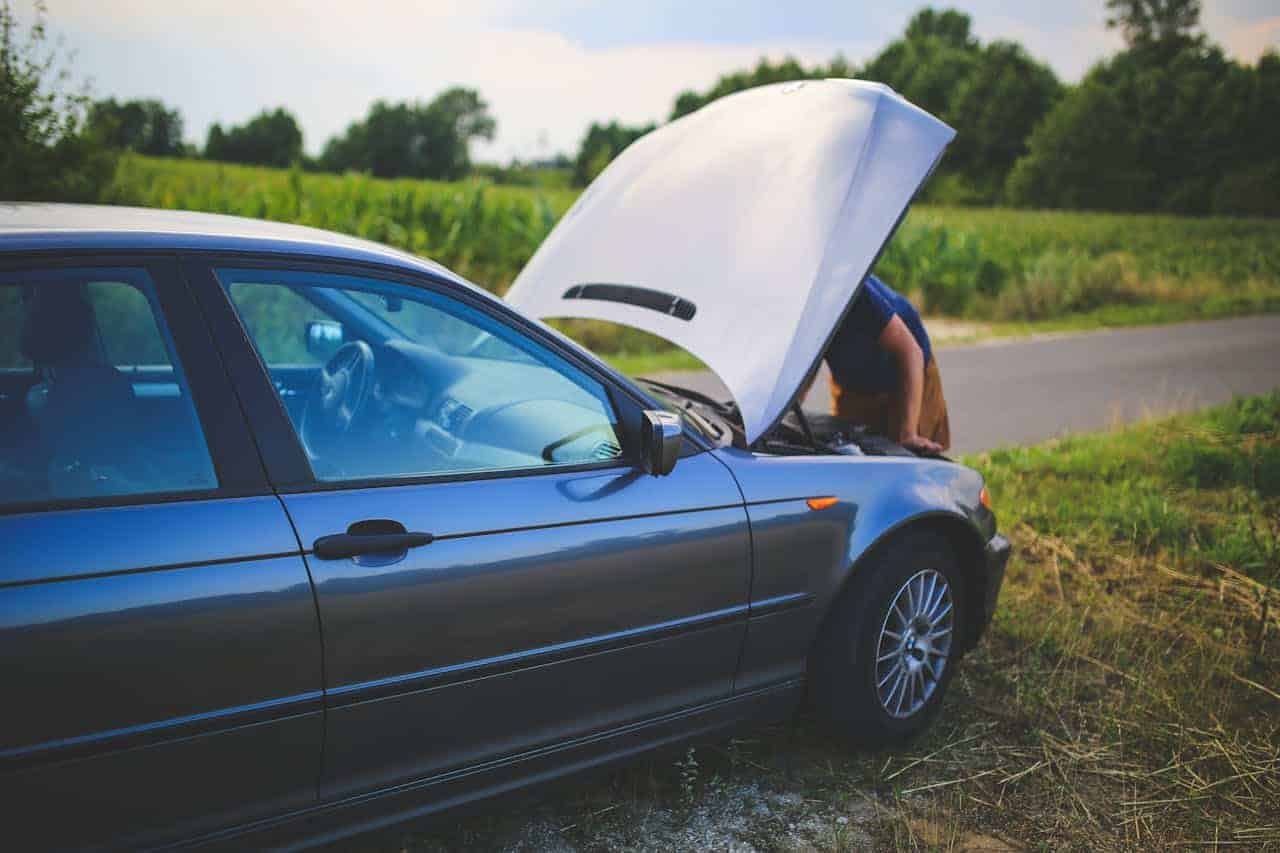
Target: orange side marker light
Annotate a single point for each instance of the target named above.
(822, 503)
(984, 497)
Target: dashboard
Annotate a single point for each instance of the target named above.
(432, 412)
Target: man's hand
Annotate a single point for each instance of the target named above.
(920, 444)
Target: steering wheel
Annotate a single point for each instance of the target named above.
(338, 398)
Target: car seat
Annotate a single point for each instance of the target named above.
(82, 407)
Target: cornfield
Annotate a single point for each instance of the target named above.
(980, 264)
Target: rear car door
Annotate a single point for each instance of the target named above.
(159, 644)
(537, 585)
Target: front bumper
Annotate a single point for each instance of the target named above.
(995, 559)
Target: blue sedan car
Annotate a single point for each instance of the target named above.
(303, 535)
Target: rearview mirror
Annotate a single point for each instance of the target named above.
(662, 440)
(323, 338)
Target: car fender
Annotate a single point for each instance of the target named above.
(802, 557)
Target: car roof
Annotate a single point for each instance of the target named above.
(40, 226)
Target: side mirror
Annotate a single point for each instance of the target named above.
(323, 338)
(663, 438)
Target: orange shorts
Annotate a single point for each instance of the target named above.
(881, 412)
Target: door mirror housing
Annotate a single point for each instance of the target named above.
(661, 443)
(324, 337)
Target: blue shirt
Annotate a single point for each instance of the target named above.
(856, 360)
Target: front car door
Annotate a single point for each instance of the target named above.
(159, 645)
(548, 588)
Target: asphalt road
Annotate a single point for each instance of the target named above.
(1023, 392)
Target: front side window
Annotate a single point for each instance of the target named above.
(93, 400)
(382, 380)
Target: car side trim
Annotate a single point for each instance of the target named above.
(410, 682)
(141, 570)
(779, 603)
(174, 728)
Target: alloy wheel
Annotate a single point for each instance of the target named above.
(915, 643)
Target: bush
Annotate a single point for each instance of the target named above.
(1249, 192)
(1249, 416)
(1266, 471)
(1059, 283)
(1202, 465)
(945, 269)
(46, 154)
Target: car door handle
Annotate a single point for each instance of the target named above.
(375, 536)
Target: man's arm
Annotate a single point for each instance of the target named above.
(808, 383)
(897, 340)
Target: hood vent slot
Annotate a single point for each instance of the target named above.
(641, 297)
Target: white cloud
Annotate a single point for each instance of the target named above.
(1069, 50)
(225, 61)
(1244, 39)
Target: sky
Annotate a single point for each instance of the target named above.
(547, 68)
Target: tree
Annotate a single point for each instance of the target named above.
(1183, 131)
(992, 95)
(413, 139)
(994, 108)
(601, 144)
(949, 26)
(763, 74)
(147, 127)
(1084, 155)
(1151, 22)
(46, 151)
(930, 62)
(271, 138)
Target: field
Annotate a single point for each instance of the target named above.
(1127, 696)
(1014, 271)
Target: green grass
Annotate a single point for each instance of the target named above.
(1021, 271)
(1127, 696)
(1197, 490)
(653, 363)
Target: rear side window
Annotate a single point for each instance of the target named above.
(131, 337)
(93, 400)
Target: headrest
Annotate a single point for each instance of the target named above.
(58, 326)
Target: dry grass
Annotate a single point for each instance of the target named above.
(1116, 706)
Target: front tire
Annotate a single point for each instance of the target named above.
(889, 647)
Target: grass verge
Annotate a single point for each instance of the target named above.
(1119, 316)
(1126, 697)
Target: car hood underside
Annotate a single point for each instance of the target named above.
(742, 231)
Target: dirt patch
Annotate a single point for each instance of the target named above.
(741, 816)
(945, 835)
(948, 330)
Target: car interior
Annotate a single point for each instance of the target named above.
(399, 383)
(91, 404)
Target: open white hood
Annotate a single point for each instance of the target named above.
(742, 231)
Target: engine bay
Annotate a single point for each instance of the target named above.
(798, 433)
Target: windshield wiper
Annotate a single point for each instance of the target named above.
(686, 402)
(690, 395)
(703, 424)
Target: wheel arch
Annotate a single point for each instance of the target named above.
(964, 540)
